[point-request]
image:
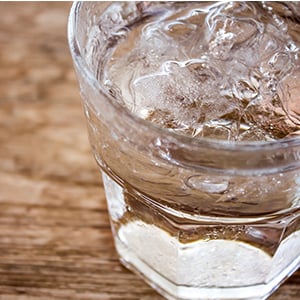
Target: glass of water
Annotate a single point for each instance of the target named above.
(193, 117)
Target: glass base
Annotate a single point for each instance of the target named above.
(174, 291)
(187, 259)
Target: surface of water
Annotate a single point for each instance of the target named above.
(224, 71)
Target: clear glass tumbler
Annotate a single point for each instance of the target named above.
(197, 219)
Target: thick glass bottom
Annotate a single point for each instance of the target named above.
(200, 276)
(185, 258)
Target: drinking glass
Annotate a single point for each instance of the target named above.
(196, 218)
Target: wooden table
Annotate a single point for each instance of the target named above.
(55, 240)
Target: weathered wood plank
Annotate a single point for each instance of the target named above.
(55, 239)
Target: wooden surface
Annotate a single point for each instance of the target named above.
(55, 240)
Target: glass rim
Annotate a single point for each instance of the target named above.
(188, 141)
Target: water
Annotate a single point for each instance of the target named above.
(226, 71)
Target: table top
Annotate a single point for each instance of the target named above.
(55, 239)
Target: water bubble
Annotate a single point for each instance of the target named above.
(206, 183)
(245, 91)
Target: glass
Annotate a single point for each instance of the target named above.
(196, 218)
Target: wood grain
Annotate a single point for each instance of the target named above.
(55, 239)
